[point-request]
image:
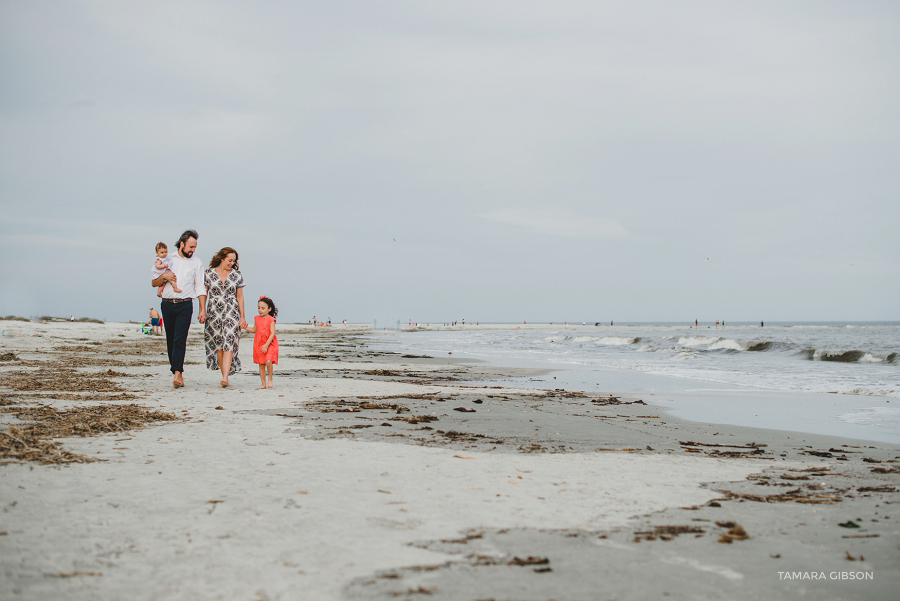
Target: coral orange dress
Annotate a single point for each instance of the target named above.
(262, 325)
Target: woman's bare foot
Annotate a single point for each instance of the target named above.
(223, 384)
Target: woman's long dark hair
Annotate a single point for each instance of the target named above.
(220, 256)
(272, 310)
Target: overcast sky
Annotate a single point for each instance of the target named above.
(494, 161)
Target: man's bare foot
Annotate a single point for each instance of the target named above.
(177, 383)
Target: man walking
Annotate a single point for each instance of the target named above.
(178, 308)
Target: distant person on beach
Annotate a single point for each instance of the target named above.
(761, 324)
(224, 285)
(163, 264)
(155, 322)
(178, 307)
(696, 323)
(265, 344)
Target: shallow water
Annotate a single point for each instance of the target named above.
(837, 379)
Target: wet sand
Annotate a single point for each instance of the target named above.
(367, 474)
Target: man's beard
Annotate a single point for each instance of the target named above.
(187, 253)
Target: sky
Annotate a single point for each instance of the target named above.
(493, 161)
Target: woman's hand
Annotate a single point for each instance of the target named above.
(264, 348)
(243, 324)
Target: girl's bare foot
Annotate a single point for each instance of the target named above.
(263, 387)
(270, 385)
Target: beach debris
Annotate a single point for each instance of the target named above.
(851, 558)
(20, 446)
(463, 410)
(849, 524)
(749, 445)
(8, 357)
(416, 419)
(66, 380)
(478, 401)
(819, 454)
(72, 574)
(876, 489)
(531, 560)
(463, 457)
(220, 408)
(735, 532)
(796, 495)
(886, 470)
(30, 441)
(775, 556)
(666, 532)
(471, 536)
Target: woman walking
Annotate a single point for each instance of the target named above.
(224, 313)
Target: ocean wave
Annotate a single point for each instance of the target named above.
(614, 341)
(697, 340)
(851, 356)
(726, 344)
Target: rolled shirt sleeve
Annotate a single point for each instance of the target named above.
(199, 280)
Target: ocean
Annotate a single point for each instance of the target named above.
(834, 378)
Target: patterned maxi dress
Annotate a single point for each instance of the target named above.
(222, 330)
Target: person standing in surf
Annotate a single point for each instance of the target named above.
(177, 308)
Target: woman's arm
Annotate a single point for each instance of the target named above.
(240, 300)
(265, 347)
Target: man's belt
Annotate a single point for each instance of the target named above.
(177, 300)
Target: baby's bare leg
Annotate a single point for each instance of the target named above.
(174, 282)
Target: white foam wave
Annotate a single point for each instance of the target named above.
(614, 341)
(697, 340)
(727, 344)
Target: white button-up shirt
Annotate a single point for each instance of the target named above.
(190, 278)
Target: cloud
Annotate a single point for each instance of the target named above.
(558, 222)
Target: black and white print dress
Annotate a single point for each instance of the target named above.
(222, 331)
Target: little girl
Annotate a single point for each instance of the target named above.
(163, 264)
(265, 345)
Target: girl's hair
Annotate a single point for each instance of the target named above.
(272, 310)
(161, 245)
(220, 256)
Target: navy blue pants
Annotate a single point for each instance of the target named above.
(177, 317)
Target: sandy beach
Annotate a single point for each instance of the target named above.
(368, 474)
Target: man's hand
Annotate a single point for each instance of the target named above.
(201, 317)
